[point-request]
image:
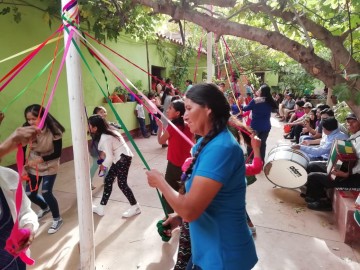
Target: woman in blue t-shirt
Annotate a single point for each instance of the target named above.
(214, 202)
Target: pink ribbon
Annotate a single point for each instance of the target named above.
(19, 236)
(41, 124)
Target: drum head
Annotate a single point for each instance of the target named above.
(285, 173)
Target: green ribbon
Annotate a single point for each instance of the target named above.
(161, 230)
(97, 61)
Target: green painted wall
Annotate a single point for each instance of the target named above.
(32, 30)
(271, 78)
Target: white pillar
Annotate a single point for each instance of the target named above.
(209, 64)
(81, 154)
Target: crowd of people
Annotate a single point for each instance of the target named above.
(201, 180)
(313, 131)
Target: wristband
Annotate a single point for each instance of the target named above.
(100, 161)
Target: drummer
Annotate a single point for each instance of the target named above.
(318, 182)
(321, 152)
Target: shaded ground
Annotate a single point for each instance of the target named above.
(289, 236)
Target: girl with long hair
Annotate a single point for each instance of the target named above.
(43, 163)
(118, 157)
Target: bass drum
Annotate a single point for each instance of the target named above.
(286, 167)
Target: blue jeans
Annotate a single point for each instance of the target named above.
(305, 138)
(142, 126)
(153, 125)
(47, 198)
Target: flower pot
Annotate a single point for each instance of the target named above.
(122, 97)
(115, 99)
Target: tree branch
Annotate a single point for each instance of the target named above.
(25, 4)
(312, 63)
(344, 35)
(222, 3)
(311, 46)
(236, 13)
(116, 5)
(351, 36)
(334, 43)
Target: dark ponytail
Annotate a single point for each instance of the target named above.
(208, 95)
(179, 106)
(266, 93)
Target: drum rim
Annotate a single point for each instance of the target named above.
(283, 186)
(301, 153)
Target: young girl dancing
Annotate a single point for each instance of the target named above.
(118, 160)
(43, 164)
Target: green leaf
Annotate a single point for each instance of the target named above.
(5, 11)
(357, 98)
(342, 92)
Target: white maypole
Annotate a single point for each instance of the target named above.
(80, 149)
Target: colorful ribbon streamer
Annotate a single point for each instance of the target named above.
(42, 121)
(108, 64)
(19, 236)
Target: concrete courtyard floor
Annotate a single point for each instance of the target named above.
(289, 236)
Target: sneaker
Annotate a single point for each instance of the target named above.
(43, 212)
(55, 226)
(99, 209)
(132, 211)
(251, 226)
(252, 229)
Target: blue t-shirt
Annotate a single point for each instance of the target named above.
(261, 113)
(220, 237)
(234, 109)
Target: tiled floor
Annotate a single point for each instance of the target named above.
(289, 236)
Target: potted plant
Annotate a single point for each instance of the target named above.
(138, 85)
(119, 94)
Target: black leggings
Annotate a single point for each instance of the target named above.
(120, 171)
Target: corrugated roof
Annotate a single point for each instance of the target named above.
(176, 38)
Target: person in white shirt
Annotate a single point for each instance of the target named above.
(8, 185)
(117, 161)
(140, 115)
